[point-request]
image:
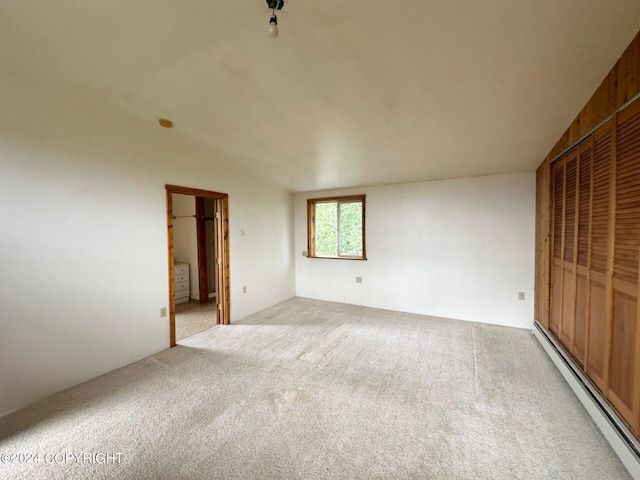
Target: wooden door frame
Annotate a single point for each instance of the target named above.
(223, 300)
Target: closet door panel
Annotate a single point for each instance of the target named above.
(557, 243)
(556, 297)
(597, 333)
(623, 381)
(567, 321)
(568, 307)
(579, 345)
(585, 176)
(598, 350)
(600, 204)
(622, 362)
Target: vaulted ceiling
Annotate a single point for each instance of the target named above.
(357, 92)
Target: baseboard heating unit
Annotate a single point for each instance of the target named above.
(615, 431)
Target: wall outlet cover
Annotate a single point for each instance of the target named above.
(358, 279)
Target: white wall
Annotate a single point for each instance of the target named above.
(84, 241)
(185, 239)
(458, 249)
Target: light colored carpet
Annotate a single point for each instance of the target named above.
(194, 317)
(316, 390)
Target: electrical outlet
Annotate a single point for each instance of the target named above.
(244, 289)
(241, 233)
(358, 279)
(520, 295)
(163, 312)
(304, 254)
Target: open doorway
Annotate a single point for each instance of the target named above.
(199, 271)
(194, 264)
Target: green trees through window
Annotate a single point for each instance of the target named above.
(337, 227)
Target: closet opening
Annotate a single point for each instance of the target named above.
(198, 257)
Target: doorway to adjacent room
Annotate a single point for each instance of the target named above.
(208, 282)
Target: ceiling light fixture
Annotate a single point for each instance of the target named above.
(273, 21)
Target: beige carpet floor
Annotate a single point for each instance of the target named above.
(194, 317)
(316, 390)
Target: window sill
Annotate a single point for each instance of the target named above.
(338, 258)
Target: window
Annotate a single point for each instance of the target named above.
(335, 227)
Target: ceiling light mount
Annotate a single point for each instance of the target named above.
(273, 21)
(275, 4)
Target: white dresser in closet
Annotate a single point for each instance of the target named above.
(181, 287)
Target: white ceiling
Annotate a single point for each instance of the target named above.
(352, 93)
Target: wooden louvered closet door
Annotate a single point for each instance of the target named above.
(583, 233)
(557, 233)
(595, 276)
(624, 380)
(572, 215)
(564, 191)
(567, 319)
(598, 339)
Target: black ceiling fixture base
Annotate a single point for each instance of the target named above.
(275, 4)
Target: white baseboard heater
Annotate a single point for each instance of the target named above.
(613, 428)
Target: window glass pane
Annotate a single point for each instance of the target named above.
(351, 229)
(326, 229)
